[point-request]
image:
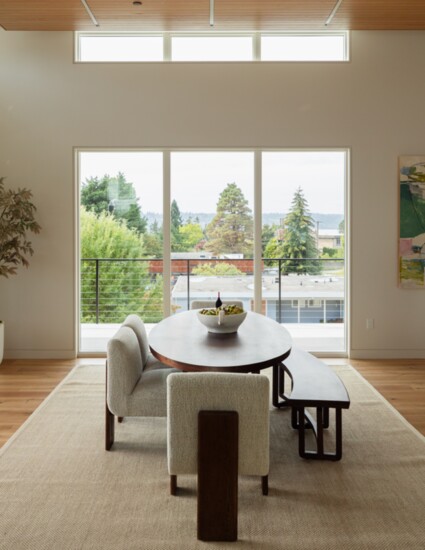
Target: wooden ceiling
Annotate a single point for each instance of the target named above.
(229, 15)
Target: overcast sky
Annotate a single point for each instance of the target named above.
(198, 178)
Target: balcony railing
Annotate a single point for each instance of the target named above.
(293, 291)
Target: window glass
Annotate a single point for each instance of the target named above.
(303, 48)
(211, 48)
(120, 48)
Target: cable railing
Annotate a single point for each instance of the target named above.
(307, 290)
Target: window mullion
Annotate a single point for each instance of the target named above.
(258, 255)
(166, 226)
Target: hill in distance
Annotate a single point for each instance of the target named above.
(326, 221)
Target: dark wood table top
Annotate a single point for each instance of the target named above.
(182, 341)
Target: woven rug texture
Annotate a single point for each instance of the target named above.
(59, 488)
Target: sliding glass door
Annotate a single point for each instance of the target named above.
(212, 227)
(120, 242)
(303, 241)
(160, 229)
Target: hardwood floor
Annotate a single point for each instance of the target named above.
(402, 383)
(24, 384)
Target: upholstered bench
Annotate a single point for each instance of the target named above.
(314, 385)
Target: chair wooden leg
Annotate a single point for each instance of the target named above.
(173, 485)
(218, 475)
(265, 485)
(109, 417)
(109, 428)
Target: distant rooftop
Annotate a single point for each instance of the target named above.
(293, 286)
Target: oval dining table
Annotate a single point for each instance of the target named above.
(183, 342)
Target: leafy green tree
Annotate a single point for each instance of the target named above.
(268, 232)
(299, 241)
(231, 229)
(116, 196)
(124, 284)
(153, 246)
(328, 252)
(176, 223)
(189, 236)
(220, 269)
(274, 249)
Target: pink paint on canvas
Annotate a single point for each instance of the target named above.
(405, 247)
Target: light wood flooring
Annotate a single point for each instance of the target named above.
(24, 384)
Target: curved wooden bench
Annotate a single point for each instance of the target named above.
(314, 384)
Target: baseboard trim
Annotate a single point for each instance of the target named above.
(40, 354)
(387, 354)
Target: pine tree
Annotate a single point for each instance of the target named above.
(176, 223)
(231, 229)
(299, 240)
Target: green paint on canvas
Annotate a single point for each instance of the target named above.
(412, 270)
(412, 213)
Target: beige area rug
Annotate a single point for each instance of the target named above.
(60, 490)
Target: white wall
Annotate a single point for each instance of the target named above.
(375, 105)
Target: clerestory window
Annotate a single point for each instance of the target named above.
(211, 47)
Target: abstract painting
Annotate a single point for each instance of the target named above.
(412, 222)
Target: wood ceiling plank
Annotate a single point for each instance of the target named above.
(380, 15)
(193, 15)
(43, 15)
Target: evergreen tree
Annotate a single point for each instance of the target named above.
(299, 239)
(116, 196)
(231, 229)
(176, 223)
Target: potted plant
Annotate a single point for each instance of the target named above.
(16, 220)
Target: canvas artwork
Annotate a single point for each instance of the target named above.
(412, 222)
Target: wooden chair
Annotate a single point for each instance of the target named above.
(217, 428)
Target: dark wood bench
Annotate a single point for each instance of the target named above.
(314, 385)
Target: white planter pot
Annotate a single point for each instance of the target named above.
(1, 340)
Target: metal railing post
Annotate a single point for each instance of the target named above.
(188, 283)
(97, 291)
(279, 317)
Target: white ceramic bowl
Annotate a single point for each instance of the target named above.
(229, 324)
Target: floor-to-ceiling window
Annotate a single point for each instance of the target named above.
(303, 244)
(212, 227)
(159, 229)
(121, 246)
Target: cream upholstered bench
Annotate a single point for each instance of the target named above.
(135, 380)
(217, 428)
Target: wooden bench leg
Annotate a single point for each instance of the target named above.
(322, 422)
(218, 443)
(278, 398)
